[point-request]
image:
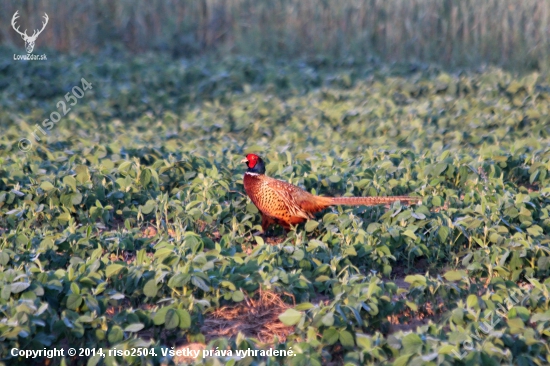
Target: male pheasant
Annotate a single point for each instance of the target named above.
(285, 204)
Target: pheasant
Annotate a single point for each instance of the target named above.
(286, 204)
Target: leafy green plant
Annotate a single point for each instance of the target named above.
(128, 225)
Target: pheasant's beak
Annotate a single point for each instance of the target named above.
(245, 160)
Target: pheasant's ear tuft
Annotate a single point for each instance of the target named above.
(252, 160)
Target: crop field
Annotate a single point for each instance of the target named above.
(124, 223)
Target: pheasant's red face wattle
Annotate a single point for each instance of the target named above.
(252, 160)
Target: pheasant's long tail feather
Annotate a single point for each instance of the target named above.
(372, 201)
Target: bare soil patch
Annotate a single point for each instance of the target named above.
(257, 318)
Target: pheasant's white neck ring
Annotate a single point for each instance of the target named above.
(250, 173)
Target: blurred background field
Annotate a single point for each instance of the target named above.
(452, 33)
(127, 225)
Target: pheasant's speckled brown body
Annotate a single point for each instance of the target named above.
(285, 204)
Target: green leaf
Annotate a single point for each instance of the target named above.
(328, 319)
(516, 325)
(311, 225)
(455, 275)
(5, 292)
(172, 319)
(185, 319)
(4, 258)
(259, 240)
(113, 269)
(135, 327)
(298, 254)
(412, 343)
(447, 349)
(47, 186)
(125, 165)
(458, 316)
(520, 312)
(290, 317)
(304, 306)
(514, 87)
(199, 282)
(373, 226)
(363, 341)
(229, 285)
(237, 296)
(472, 301)
(410, 234)
(64, 217)
(160, 315)
(150, 289)
(439, 168)
(412, 305)
(76, 198)
(148, 207)
(17, 287)
(145, 177)
(329, 217)
(541, 317)
(416, 279)
(330, 336)
(401, 360)
(21, 239)
(85, 319)
(535, 230)
(115, 334)
(82, 174)
(163, 253)
(418, 215)
(70, 181)
(346, 338)
(442, 234)
(251, 208)
(322, 278)
(350, 251)
(74, 301)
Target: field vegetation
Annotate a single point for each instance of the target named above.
(454, 33)
(124, 222)
(128, 225)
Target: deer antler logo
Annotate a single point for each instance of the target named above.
(29, 41)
